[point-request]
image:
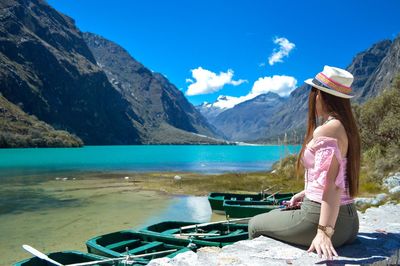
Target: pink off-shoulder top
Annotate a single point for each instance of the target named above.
(317, 158)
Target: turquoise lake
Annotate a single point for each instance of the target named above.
(193, 158)
(53, 214)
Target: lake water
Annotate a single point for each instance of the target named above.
(54, 215)
(194, 158)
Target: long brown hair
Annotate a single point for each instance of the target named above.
(339, 108)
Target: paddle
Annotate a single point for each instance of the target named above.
(272, 195)
(211, 223)
(265, 190)
(40, 255)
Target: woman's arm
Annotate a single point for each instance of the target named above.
(330, 200)
(329, 211)
(331, 197)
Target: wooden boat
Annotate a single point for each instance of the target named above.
(209, 234)
(243, 208)
(129, 242)
(217, 199)
(71, 257)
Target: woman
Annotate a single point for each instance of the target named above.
(326, 216)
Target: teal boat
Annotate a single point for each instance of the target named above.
(242, 208)
(208, 234)
(129, 242)
(72, 257)
(217, 199)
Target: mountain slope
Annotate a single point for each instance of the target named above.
(159, 105)
(249, 120)
(17, 129)
(48, 70)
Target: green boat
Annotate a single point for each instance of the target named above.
(207, 234)
(129, 242)
(72, 257)
(217, 199)
(242, 208)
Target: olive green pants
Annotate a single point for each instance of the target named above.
(300, 226)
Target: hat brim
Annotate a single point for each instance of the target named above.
(333, 92)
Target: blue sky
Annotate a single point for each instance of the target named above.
(209, 48)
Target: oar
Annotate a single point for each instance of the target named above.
(269, 188)
(199, 234)
(95, 262)
(40, 255)
(272, 195)
(130, 257)
(211, 223)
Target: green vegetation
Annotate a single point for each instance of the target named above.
(196, 184)
(379, 124)
(18, 129)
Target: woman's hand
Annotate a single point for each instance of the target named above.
(323, 245)
(296, 199)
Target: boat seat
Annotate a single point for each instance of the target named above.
(171, 231)
(122, 244)
(214, 232)
(248, 199)
(143, 248)
(236, 232)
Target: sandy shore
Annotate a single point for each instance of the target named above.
(83, 209)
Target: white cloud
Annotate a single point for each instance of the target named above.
(209, 82)
(284, 49)
(282, 85)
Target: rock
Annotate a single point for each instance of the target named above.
(363, 201)
(392, 180)
(381, 197)
(394, 190)
(378, 243)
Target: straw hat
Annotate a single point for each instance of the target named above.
(333, 80)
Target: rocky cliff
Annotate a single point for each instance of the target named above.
(48, 70)
(18, 129)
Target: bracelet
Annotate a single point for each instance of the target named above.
(328, 230)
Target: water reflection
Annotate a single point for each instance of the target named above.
(184, 208)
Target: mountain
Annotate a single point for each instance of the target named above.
(162, 110)
(384, 71)
(373, 70)
(212, 110)
(249, 120)
(18, 129)
(48, 70)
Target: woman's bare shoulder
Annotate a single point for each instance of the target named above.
(333, 129)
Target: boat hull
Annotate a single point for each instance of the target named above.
(216, 199)
(244, 209)
(69, 257)
(122, 243)
(219, 235)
